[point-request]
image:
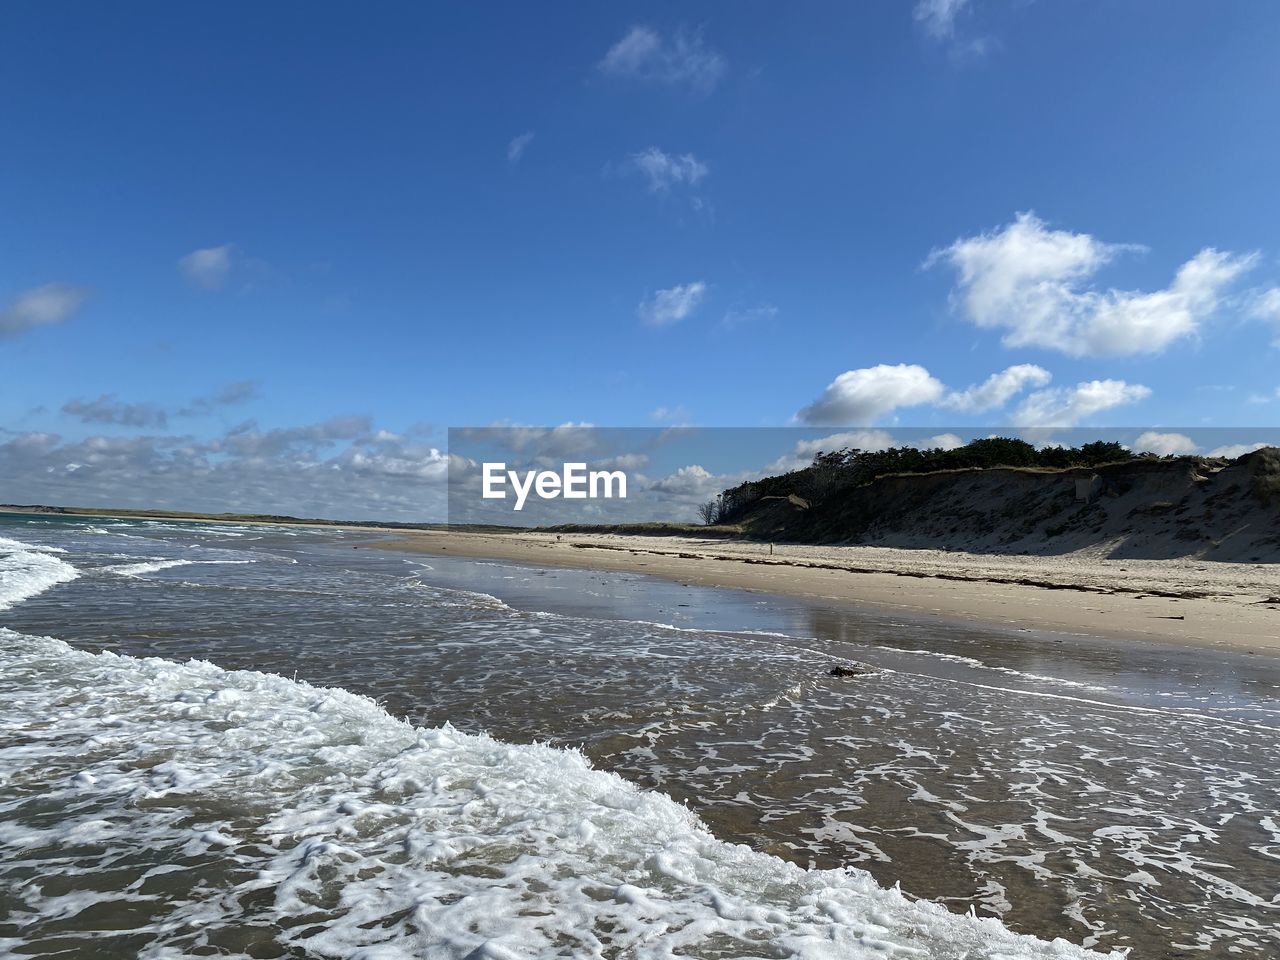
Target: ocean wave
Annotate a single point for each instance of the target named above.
(460, 597)
(27, 570)
(153, 566)
(248, 814)
(1010, 671)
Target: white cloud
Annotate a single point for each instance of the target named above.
(207, 268)
(759, 313)
(938, 17)
(42, 306)
(1032, 282)
(665, 170)
(1165, 444)
(801, 455)
(1234, 450)
(681, 60)
(623, 461)
(860, 396)
(1066, 406)
(517, 146)
(1266, 306)
(568, 439)
(338, 468)
(869, 440)
(671, 306)
(677, 414)
(693, 480)
(998, 389)
(241, 391)
(944, 441)
(107, 409)
(246, 440)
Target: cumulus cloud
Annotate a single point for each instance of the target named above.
(944, 441)
(623, 461)
(517, 146)
(107, 409)
(672, 305)
(42, 306)
(1165, 444)
(315, 473)
(246, 440)
(207, 268)
(998, 389)
(667, 170)
(1033, 282)
(1067, 406)
(870, 440)
(860, 396)
(691, 481)
(568, 439)
(801, 455)
(1234, 450)
(679, 60)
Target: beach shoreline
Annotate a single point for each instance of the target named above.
(1184, 601)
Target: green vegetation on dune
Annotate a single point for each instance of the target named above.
(1001, 495)
(1266, 475)
(841, 470)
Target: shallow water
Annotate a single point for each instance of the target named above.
(1114, 796)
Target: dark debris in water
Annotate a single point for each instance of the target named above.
(840, 671)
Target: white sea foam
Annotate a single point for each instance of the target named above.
(153, 566)
(27, 570)
(339, 831)
(981, 665)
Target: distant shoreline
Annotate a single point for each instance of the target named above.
(187, 516)
(1184, 601)
(1194, 603)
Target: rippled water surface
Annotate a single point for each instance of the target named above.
(1114, 796)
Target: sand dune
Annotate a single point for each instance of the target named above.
(1144, 509)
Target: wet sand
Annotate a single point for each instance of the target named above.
(1184, 600)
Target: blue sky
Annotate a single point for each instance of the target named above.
(322, 231)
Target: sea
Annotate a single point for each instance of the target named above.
(223, 740)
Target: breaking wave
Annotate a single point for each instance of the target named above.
(154, 566)
(336, 829)
(27, 570)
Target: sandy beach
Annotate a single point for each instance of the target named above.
(1186, 601)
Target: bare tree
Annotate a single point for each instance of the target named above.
(709, 512)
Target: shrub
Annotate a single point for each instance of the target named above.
(1266, 475)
